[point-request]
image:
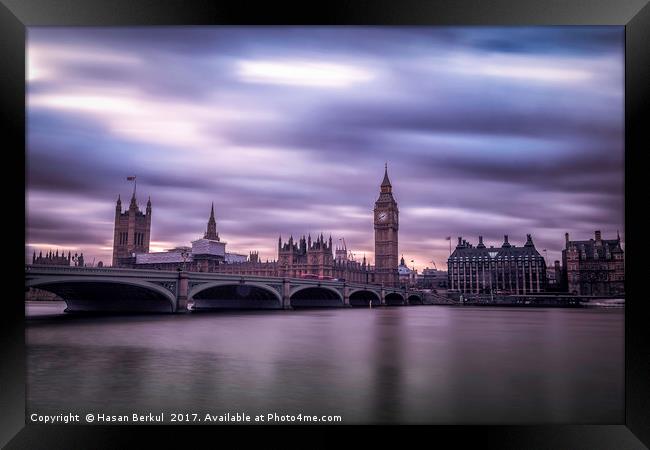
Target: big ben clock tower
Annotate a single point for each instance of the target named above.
(386, 226)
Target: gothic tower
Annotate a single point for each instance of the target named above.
(132, 230)
(386, 227)
(211, 232)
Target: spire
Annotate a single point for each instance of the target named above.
(401, 261)
(211, 232)
(133, 203)
(386, 181)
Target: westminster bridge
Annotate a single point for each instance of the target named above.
(113, 289)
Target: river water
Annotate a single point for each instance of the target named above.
(420, 364)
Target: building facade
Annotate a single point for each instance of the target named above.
(507, 270)
(433, 279)
(407, 277)
(386, 223)
(307, 258)
(593, 267)
(132, 232)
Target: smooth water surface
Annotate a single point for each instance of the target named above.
(420, 364)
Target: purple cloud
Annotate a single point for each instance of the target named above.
(487, 131)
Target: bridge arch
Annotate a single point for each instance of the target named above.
(90, 294)
(234, 295)
(363, 297)
(394, 298)
(313, 296)
(414, 299)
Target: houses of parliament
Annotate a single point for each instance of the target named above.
(304, 257)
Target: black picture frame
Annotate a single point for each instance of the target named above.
(16, 15)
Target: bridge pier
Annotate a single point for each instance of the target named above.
(181, 298)
(346, 295)
(383, 296)
(286, 294)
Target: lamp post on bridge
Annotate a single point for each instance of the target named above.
(492, 256)
(413, 272)
(184, 254)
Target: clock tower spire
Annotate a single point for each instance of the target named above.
(386, 228)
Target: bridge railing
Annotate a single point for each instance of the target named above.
(74, 269)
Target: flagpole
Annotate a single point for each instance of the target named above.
(135, 183)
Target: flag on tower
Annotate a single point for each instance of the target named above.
(448, 238)
(135, 184)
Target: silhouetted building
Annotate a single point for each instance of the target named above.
(505, 270)
(594, 267)
(52, 259)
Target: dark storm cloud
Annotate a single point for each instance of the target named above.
(486, 130)
(59, 229)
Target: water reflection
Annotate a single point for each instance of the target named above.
(387, 363)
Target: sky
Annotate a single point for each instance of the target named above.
(486, 131)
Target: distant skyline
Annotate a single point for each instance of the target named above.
(486, 131)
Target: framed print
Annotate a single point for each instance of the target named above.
(302, 218)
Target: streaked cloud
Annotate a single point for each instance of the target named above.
(302, 73)
(487, 131)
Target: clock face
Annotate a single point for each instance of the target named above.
(382, 216)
